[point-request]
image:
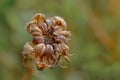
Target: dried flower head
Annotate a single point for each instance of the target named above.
(49, 43)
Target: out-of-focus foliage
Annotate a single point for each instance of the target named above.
(95, 40)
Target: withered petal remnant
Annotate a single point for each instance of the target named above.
(49, 43)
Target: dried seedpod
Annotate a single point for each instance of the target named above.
(49, 43)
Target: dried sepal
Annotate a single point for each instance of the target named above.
(62, 66)
(66, 58)
(42, 66)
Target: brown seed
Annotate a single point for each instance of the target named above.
(43, 27)
(35, 31)
(60, 39)
(28, 51)
(57, 28)
(39, 49)
(39, 17)
(30, 24)
(27, 48)
(64, 33)
(60, 51)
(49, 23)
(49, 49)
(56, 47)
(64, 49)
(58, 21)
(38, 39)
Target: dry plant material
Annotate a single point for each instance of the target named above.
(49, 43)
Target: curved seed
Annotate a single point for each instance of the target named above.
(57, 28)
(60, 39)
(49, 23)
(39, 17)
(64, 33)
(39, 49)
(49, 49)
(27, 48)
(60, 50)
(38, 39)
(35, 31)
(28, 51)
(43, 27)
(30, 24)
(58, 21)
(56, 47)
(64, 49)
(36, 34)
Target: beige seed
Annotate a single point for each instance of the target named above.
(39, 49)
(64, 33)
(49, 49)
(60, 39)
(58, 21)
(28, 50)
(38, 39)
(35, 31)
(49, 23)
(43, 27)
(31, 23)
(39, 17)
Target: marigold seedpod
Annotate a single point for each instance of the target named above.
(49, 43)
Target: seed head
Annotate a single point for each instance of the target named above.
(49, 43)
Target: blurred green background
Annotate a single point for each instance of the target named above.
(95, 40)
